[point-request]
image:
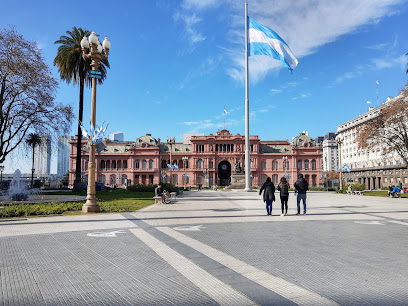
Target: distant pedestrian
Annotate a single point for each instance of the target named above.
(396, 192)
(283, 187)
(301, 187)
(269, 194)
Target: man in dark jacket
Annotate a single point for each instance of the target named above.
(301, 187)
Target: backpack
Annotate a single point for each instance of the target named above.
(302, 186)
(285, 189)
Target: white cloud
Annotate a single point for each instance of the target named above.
(190, 22)
(199, 4)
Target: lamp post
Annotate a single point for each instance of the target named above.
(96, 53)
(163, 173)
(171, 141)
(1, 177)
(185, 159)
(340, 142)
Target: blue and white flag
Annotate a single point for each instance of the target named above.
(175, 167)
(347, 168)
(264, 41)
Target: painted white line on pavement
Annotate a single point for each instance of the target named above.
(296, 294)
(399, 222)
(219, 291)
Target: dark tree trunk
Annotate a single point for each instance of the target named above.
(32, 169)
(77, 182)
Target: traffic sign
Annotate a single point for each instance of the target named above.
(95, 72)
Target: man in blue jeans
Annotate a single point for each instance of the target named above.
(301, 186)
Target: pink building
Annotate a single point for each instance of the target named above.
(206, 160)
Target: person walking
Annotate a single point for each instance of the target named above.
(269, 194)
(283, 187)
(301, 186)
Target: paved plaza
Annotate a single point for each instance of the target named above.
(210, 248)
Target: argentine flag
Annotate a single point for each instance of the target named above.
(264, 41)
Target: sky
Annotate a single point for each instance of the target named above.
(176, 63)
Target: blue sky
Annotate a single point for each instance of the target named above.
(176, 63)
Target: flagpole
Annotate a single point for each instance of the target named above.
(224, 117)
(247, 146)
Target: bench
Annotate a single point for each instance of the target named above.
(173, 196)
(157, 199)
(349, 191)
(358, 192)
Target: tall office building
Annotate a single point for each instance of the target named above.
(63, 155)
(42, 159)
(116, 136)
(330, 153)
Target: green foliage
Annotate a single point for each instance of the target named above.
(343, 190)
(358, 187)
(321, 189)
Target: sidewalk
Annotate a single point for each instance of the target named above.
(212, 248)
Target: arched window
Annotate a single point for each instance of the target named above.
(107, 164)
(313, 164)
(200, 164)
(275, 179)
(200, 179)
(150, 164)
(113, 164)
(306, 164)
(299, 165)
(125, 164)
(124, 178)
(102, 179)
(103, 165)
(164, 163)
(185, 179)
(263, 178)
(263, 164)
(144, 164)
(137, 164)
(174, 180)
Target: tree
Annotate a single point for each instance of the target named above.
(27, 93)
(33, 140)
(73, 67)
(389, 129)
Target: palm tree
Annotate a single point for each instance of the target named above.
(33, 140)
(72, 67)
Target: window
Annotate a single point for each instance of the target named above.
(275, 179)
(211, 165)
(185, 179)
(143, 164)
(263, 178)
(102, 179)
(200, 164)
(174, 180)
(200, 179)
(103, 165)
(263, 164)
(150, 164)
(313, 164)
(164, 164)
(299, 165)
(125, 164)
(112, 180)
(137, 164)
(113, 164)
(306, 164)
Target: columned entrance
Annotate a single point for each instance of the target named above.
(224, 173)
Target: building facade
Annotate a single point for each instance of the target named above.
(42, 158)
(205, 160)
(330, 153)
(63, 155)
(373, 168)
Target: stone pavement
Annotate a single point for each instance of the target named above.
(212, 248)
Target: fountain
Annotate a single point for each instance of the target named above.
(18, 190)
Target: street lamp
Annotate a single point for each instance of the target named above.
(285, 160)
(1, 176)
(163, 173)
(185, 159)
(96, 53)
(171, 141)
(340, 142)
(205, 172)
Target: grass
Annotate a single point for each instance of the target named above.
(114, 201)
(381, 193)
